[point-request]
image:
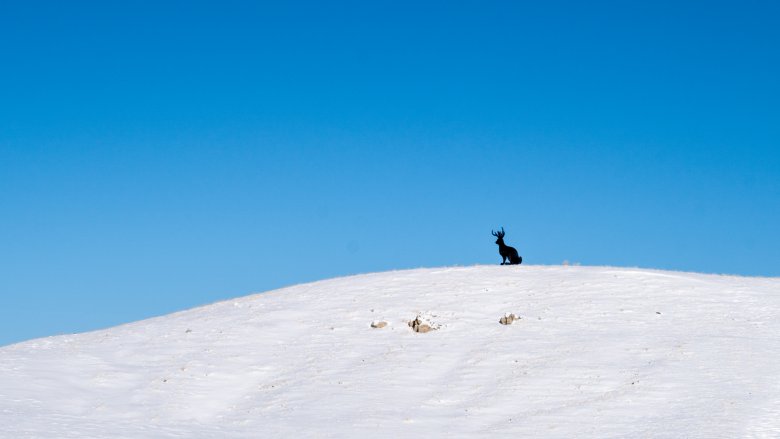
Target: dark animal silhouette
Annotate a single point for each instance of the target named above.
(506, 251)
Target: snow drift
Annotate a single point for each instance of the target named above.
(592, 352)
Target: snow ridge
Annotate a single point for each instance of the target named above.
(594, 352)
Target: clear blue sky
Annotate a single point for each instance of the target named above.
(155, 156)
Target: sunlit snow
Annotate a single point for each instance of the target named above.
(596, 352)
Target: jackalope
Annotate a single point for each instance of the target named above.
(506, 251)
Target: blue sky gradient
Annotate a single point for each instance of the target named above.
(154, 157)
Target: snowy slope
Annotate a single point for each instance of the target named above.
(598, 352)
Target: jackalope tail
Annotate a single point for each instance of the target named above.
(506, 251)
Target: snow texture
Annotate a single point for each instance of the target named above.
(597, 352)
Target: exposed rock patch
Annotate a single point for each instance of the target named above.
(417, 325)
(421, 324)
(378, 324)
(508, 319)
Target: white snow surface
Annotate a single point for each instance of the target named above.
(598, 352)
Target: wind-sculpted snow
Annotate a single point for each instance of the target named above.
(595, 352)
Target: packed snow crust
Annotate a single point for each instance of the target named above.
(596, 352)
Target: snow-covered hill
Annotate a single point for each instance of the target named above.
(598, 352)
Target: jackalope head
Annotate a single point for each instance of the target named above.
(500, 236)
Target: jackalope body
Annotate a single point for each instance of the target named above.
(506, 251)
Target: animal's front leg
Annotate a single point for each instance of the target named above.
(503, 260)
